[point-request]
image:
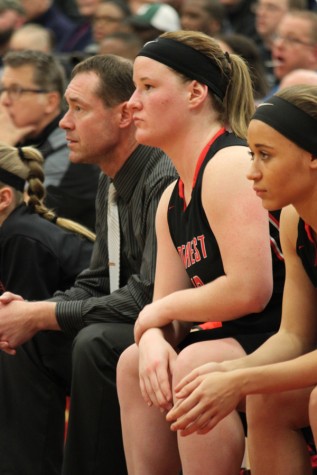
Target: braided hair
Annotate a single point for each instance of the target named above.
(26, 163)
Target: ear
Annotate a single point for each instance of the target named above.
(53, 101)
(6, 198)
(124, 115)
(197, 93)
(313, 162)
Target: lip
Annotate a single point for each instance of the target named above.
(136, 119)
(259, 191)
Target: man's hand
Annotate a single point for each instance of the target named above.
(20, 320)
(10, 134)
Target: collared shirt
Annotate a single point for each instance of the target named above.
(139, 184)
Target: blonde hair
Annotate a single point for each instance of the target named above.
(238, 106)
(27, 164)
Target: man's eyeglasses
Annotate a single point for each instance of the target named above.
(291, 40)
(15, 92)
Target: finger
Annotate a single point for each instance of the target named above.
(5, 347)
(186, 390)
(144, 393)
(182, 407)
(186, 380)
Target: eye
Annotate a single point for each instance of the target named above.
(251, 154)
(264, 155)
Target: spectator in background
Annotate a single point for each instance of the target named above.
(248, 50)
(299, 76)
(82, 35)
(206, 16)
(32, 36)
(152, 19)
(31, 93)
(240, 17)
(268, 14)
(122, 43)
(12, 17)
(47, 14)
(295, 44)
(108, 18)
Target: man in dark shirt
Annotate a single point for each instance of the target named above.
(35, 381)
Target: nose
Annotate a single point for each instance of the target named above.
(65, 122)
(254, 174)
(5, 98)
(134, 101)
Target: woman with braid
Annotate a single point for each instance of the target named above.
(39, 252)
(214, 260)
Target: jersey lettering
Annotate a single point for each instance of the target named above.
(193, 251)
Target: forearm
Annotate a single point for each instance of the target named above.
(289, 375)
(220, 300)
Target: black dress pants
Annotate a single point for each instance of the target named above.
(33, 389)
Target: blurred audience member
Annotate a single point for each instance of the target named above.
(121, 43)
(31, 93)
(295, 44)
(240, 16)
(248, 50)
(12, 17)
(299, 76)
(268, 14)
(108, 18)
(47, 14)
(206, 16)
(32, 36)
(152, 19)
(82, 36)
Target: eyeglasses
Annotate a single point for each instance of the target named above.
(291, 40)
(15, 92)
(267, 7)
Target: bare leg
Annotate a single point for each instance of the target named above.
(313, 412)
(219, 452)
(276, 444)
(150, 446)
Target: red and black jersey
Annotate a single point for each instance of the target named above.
(306, 248)
(198, 248)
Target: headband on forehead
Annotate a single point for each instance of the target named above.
(188, 61)
(290, 121)
(12, 180)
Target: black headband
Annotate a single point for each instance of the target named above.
(12, 180)
(188, 61)
(290, 121)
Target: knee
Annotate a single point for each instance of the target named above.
(128, 373)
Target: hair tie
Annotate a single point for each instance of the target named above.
(21, 153)
(54, 219)
(227, 56)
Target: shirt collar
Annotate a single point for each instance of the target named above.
(129, 174)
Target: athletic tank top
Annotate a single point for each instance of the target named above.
(306, 248)
(198, 248)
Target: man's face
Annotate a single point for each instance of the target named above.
(92, 129)
(268, 15)
(293, 47)
(27, 107)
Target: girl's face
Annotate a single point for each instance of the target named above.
(159, 103)
(280, 170)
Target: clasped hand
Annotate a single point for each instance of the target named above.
(15, 327)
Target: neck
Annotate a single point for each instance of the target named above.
(111, 163)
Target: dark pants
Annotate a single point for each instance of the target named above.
(33, 388)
